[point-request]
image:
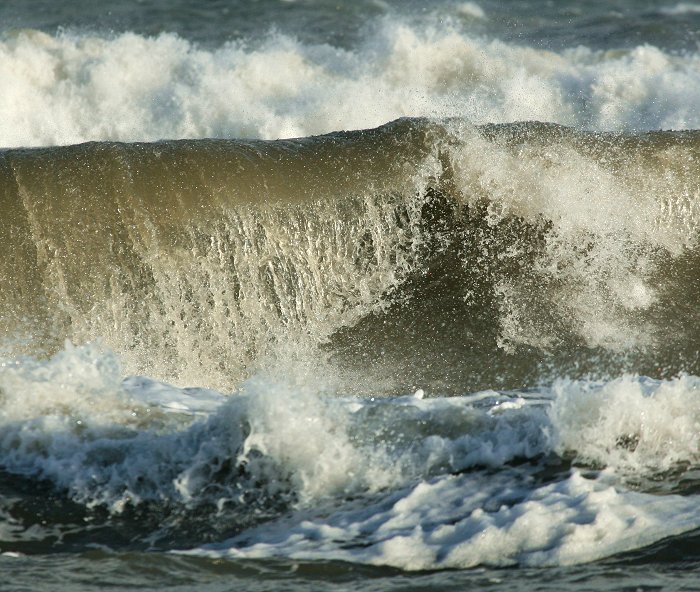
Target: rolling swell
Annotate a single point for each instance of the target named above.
(421, 253)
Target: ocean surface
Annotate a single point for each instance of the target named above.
(342, 295)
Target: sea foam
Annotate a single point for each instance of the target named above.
(71, 88)
(411, 482)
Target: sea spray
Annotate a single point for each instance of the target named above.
(76, 87)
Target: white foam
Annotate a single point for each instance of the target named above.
(508, 518)
(638, 426)
(464, 521)
(69, 88)
(63, 415)
(625, 215)
(471, 10)
(72, 420)
(77, 381)
(415, 483)
(680, 9)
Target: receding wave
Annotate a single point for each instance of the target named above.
(418, 254)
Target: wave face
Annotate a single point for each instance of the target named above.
(511, 247)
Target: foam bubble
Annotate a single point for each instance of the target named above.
(77, 381)
(509, 517)
(71, 420)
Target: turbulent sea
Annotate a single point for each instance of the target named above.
(380, 295)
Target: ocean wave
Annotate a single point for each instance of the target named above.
(324, 290)
(71, 88)
(556, 475)
(507, 248)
